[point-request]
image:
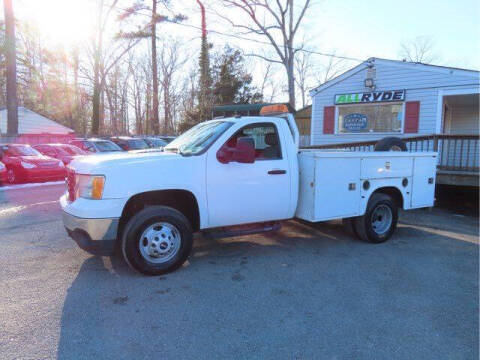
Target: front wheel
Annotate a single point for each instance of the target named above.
(379, 221)
(13, 176)
(157, 240)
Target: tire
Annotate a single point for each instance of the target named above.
(157, 240)
(390, 144)
(349, 225)
(380, 219)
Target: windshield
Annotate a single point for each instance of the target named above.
(21, 151)
(72, 150)
(198, 138)
(137, 144)
(107, 146)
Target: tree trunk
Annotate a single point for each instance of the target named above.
(96, 76)
(156, 123)
(12, 102)
(291, 82)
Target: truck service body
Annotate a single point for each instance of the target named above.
(229, 172)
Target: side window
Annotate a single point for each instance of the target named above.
(89, 147)
(265, 137)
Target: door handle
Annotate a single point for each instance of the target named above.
(277, 172)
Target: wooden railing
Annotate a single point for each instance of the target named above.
(455, 152)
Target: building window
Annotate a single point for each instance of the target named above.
(371, 118)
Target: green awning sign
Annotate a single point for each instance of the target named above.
(368, 97)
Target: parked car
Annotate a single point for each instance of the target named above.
(130, 143)
(3, 173)
(25, 164)
(246, 171)
(155, 143)
(167, 138)
(95, 145)
(64, 152)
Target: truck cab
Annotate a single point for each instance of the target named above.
(220, 174)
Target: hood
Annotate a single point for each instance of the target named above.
(38, 160)
(102, 163)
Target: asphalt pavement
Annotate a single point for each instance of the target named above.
(306, 292)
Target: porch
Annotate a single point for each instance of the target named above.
(458, 155)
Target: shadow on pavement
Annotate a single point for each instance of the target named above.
(306, 292)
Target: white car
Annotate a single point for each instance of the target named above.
(235, 176)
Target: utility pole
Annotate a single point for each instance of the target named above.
(10, 55)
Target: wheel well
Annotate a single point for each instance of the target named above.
(181, 200)
(393, 192)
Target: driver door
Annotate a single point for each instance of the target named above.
(240, 193)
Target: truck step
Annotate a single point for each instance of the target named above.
(242, 230)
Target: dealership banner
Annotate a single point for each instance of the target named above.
(369, 97)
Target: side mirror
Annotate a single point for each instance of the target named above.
(243, 152)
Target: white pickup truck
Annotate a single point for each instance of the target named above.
(237, 175)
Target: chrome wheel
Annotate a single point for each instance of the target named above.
(381, 219)
(11, 176)
(160, 242)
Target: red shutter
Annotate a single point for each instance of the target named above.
(412, 112)
(328, 119)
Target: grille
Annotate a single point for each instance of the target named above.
(71, 185)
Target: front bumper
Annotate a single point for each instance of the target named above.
(43, 174)
(96, 236)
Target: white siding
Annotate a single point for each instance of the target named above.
(420, 85)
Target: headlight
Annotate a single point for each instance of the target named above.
(2, 166)
(89, 186)
(60, 163)
(26, 165)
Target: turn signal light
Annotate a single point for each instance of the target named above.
(97, 187)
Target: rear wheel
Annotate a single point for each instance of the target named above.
(157, 240)
(379, 221)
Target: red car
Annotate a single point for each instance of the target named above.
(63, 152)
(3, 173)
(25, 164)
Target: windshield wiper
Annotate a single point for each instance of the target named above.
(174, 150)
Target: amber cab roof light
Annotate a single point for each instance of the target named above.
(274, 109)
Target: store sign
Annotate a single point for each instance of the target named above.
(368, 97)
(355, 122)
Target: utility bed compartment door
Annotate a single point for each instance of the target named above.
(386, 167)
(423, 184)
(337, 188)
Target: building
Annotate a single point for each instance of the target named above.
(387, 97)
(34, 129)
(431, 107)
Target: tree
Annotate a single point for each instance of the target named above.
(420, 49)
(150, 30)
(171, 61)
(232, 83)
(103, 62)
(279, 23)
(11, 66)
(205, 79)
(303, 72)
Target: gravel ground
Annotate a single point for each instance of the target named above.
(306, 292)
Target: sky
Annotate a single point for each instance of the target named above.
(355, 28)
(352, 28)
(375, 28)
